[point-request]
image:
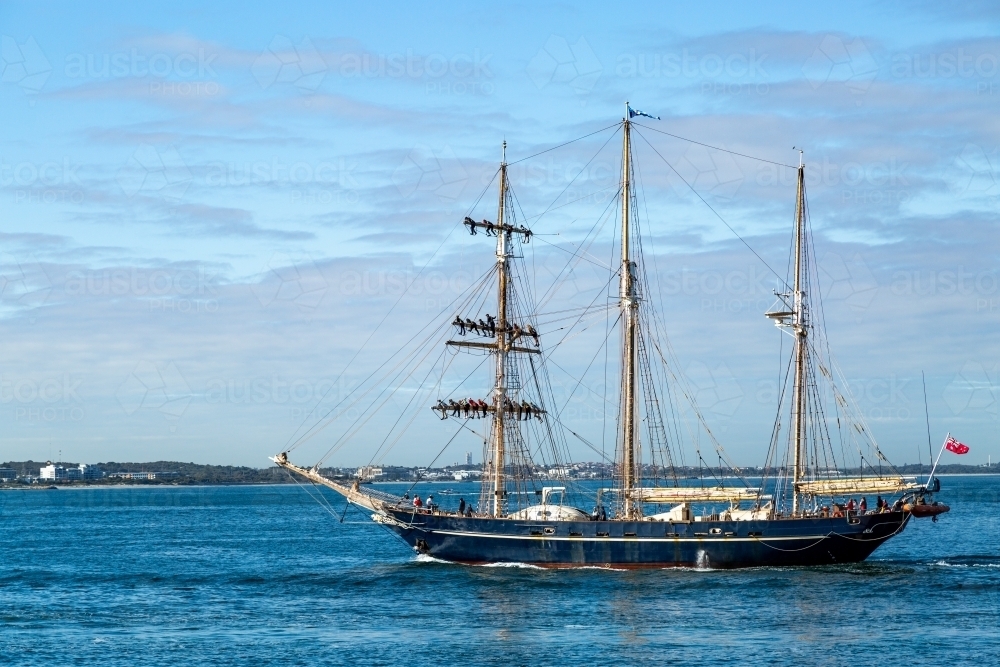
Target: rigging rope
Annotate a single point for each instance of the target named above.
(735, 233)
(717, 148)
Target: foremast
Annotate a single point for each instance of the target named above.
(500, 385)
(629, 308)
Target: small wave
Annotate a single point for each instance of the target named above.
(523, 566)
(424, 558)
(944, 563)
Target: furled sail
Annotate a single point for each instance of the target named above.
(859, 485)
(679, 494)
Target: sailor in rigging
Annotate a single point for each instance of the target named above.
(460, 323)
(534, 334)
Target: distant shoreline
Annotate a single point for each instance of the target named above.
(99, 485)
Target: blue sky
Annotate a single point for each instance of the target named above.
(206, 209)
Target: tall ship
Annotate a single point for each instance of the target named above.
(798, 509)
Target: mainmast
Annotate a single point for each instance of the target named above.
(629, 306)
(500, 387)
(799, 330)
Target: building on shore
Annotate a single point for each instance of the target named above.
(58, 473)
(144, 475)
(7, 475)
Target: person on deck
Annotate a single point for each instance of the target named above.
(417, 503)
(864, 505)
(461, 506)
(878, 504)
(430, 503)
(851, 505)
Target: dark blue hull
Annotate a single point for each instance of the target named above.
(640, 544)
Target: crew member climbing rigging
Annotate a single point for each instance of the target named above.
(471, 408)
(492, 228)
(489, 328)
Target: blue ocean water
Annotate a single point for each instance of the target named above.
(265, 575)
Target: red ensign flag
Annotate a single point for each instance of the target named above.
(955, 447)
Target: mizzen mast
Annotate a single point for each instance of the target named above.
(500, 385)
(629, 305)
(799, 331)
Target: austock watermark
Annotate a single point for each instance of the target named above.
(156, 387)
(323, 181)
(300, 397)
(181, 291)
(285, 62)
(980, 68)
(42, 182)
(178, 74)
(735, 73)
(841, 61)
(847, 61)
(975, 389)
(154, 171)
(23, 64)
(431, 171)
(560, 63)
(876, 182)
(980, 287)
(47, 400)
(437, 288)
(24, 282)
(290, 279)
(441, 74)
(879, 399)
(977, 172)
(162, 171)
(721, 291)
